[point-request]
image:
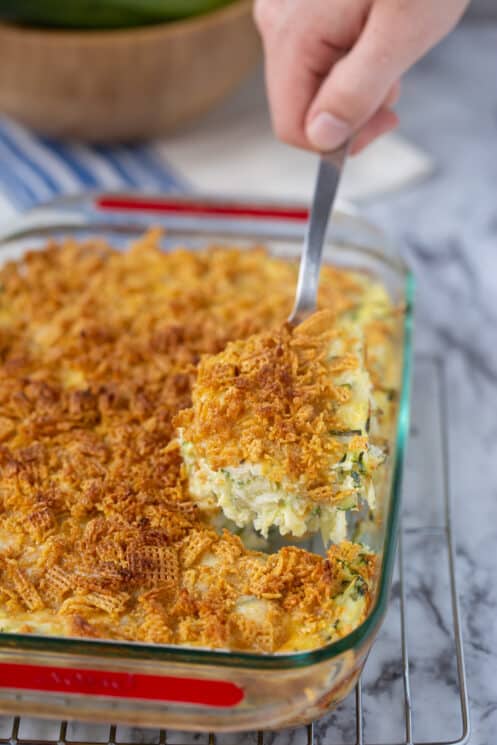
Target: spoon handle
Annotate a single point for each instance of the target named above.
(325, 189)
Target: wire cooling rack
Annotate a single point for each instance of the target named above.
(434, 534)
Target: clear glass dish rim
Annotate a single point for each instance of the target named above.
(111, 649)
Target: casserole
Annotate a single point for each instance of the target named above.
(193, 688)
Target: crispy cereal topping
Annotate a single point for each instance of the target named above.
(271, 399)
(99, 535)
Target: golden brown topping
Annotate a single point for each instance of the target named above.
(153, 565)
(55, 584)
(271, 400)
(110, 602)
(98, 354)
(194, 545)
(26, 591)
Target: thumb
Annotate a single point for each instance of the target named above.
(360, 81)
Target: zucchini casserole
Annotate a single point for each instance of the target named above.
(278, 431)
(142, 395)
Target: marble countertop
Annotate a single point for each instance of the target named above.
(447, 228)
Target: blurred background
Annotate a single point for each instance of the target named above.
(147, 95)
(484, 7)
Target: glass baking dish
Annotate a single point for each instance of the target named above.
(191, 688)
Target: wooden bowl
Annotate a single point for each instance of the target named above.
(125, 84)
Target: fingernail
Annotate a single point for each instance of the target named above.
(327, 132)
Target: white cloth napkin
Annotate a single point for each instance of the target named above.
(232, 150)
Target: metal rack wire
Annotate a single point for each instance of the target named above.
(445, 530)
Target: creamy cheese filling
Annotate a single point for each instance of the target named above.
(248, 497)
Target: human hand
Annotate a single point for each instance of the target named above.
(333, 66)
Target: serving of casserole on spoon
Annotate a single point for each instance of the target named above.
(278, 431)
(277, 435)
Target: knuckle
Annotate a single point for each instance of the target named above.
(350, 103)
(307, 45)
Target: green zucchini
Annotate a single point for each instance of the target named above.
(102, 14)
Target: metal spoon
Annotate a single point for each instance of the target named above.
(328, 178)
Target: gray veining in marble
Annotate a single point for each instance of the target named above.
(447, 228)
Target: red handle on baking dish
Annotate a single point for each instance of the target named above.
(206, 692)
(198, 208)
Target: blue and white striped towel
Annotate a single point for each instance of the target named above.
(35, 169)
